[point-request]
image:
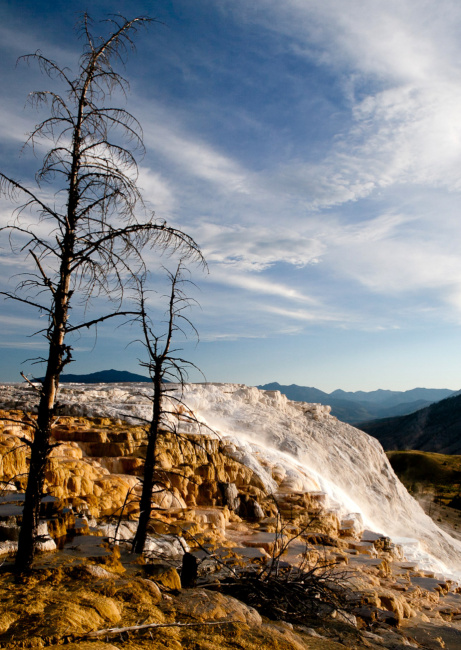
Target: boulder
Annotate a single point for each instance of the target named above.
(203, 605)
(163, 574)
(230, 496)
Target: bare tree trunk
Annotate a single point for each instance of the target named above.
(149, 466)
(41, 447)
(31, 513)
(161, 362)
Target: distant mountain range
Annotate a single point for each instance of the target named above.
(436, 428)
(104, 377)
(427, 424)
(357, 407)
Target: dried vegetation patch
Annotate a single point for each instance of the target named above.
(61, 608)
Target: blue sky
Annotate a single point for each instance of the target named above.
(313, 150)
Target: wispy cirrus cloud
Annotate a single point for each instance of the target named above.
(259, 285)
(311, 148)
(20, 344)
(13, 321)
(397, 62)
(307, 316)
(190, 154)
(256, 248)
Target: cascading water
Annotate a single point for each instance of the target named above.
(309, 449)
(347, 464)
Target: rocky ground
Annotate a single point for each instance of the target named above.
(88, 592)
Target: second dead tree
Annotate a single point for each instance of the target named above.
(163, 364)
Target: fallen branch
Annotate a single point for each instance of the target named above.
(133, 628)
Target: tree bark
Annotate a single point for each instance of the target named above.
(40, 448)
(149, 466)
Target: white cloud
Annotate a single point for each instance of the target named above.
(13, 322)
(304, 315)
(157, 190)
(256, 248)
(223, 336)
(401, 39)
(23, 345)
(191, 154)
(399, 65)
(397, 256)
(14, 127)
(257, 284)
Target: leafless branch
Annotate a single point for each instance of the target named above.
(100, 320)
(146, 626)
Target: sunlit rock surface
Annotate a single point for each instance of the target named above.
(280, 447)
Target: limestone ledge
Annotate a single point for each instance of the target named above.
(96, 467)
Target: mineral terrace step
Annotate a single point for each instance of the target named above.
(370, 536)
(8, 510)
(13, 497)
(11, 505)
(250, 553)
(363, 559)
(430, 584)
(86, 546)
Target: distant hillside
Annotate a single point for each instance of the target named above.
(436, 428)
(104, 377)
(391, 398)
(427, 468)
(298, 393)
(359, 406)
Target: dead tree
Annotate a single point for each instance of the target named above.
(163, 364)
(94, 236)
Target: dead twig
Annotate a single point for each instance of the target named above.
(134, 628)
(36, 388)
